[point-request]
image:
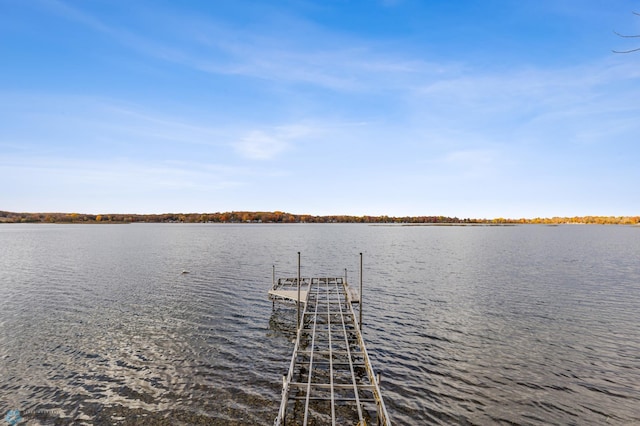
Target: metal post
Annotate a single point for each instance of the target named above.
(284, 414)
(273, 285)
(379, 417)
(360, 304)
(298, 290)
(346, 284)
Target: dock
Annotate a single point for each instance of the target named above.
(330, 378)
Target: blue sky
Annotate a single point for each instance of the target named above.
(493, 108)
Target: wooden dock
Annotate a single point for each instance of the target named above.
(330, 378)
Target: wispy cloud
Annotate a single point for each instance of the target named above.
(321, 59)
(67, 119)
(259, 145)
(119, 174)
(518, 103)
(123, 36)
(107, 185)
(157, 126)
(267, 144)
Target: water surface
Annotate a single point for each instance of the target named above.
(468, 325)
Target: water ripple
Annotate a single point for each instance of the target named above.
(518, 325)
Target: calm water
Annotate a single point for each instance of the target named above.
(468, 325)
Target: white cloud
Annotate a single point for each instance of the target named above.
(258, 145)
(266, 145)
(65, 121)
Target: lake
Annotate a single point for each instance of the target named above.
(481, 325)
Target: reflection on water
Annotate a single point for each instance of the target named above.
(523, 325)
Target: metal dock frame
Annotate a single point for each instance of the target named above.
(330, 378)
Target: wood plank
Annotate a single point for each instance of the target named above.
(290, 294)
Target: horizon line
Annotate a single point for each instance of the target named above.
(320, 216)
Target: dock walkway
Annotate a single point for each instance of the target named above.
(330, 378)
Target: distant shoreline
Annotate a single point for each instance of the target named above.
(284, 217)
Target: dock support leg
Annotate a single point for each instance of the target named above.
(284, 386)
(298, 323)
(360, 303)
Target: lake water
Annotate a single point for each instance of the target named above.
(468, 325)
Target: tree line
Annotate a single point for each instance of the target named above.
(284, 217)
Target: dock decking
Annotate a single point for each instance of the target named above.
(330, 378)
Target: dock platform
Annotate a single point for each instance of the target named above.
(330, 378)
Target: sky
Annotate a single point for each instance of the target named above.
(467, 108)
